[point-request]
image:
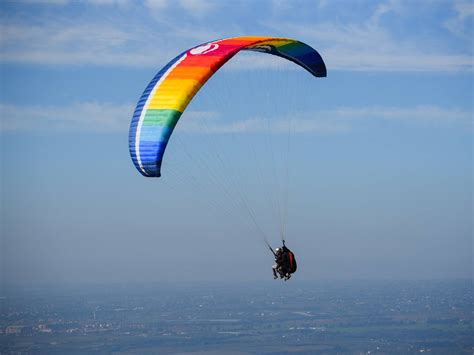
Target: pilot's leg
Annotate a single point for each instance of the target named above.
(274, 271)
(281, 272)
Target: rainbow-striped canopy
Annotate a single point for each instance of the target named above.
(167, 95)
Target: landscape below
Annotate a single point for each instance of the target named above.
(263, 318)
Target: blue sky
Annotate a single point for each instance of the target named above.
(381, 150)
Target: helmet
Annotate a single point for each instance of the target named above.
(277, 250)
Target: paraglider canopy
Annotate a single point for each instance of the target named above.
(167, 95)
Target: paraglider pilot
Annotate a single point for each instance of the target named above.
(285, 263)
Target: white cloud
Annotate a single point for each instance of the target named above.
(68, 42)
(82, 44)
(108, 2)
(281, 6)
(457, 24)
(88, 116)
(364, 45)
(369, 44)
(156, 5)
(45, 2)
(419, 114)
(94, 116)
(67, 2)
(383, 9)
(213, 125)
(369, 47)
(338, 120)
(198, 8)
(162, 9)
(320, 4)
(464, 9)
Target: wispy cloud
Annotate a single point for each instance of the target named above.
(79, 44)
(431, 115)
(367, 47)
(198, 8)
(156, 5)
(337, 120)
(371, 44)
(301, 123)
(109, 45)
(193, 7)
(97, 44)
(88, 116)
(383, 9)
(367, 44)
(44, 2)
(457, 25)
(94, 116)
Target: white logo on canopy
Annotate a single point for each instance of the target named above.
(204, 49)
